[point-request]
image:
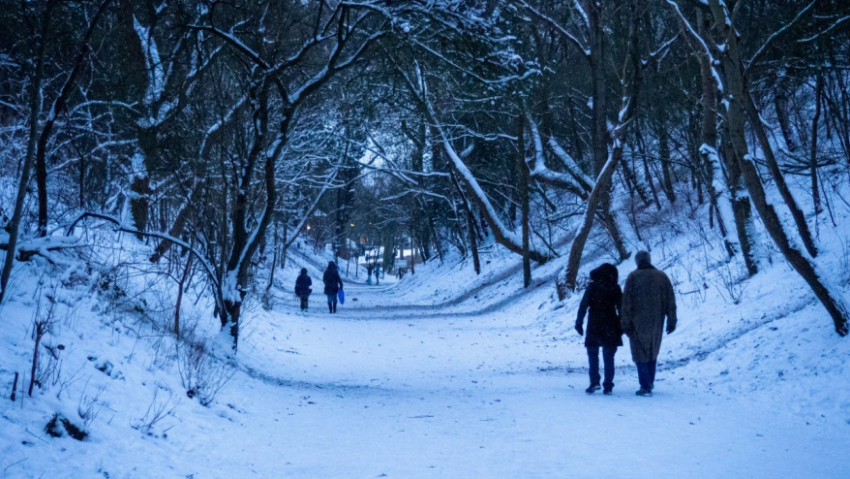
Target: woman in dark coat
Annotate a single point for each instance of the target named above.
(333, 283)
(603, 298)
(302, 288)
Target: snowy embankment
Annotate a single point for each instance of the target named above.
(443, 374)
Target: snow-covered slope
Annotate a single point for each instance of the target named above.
(443, 374)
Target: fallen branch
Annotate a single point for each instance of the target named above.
(26, 249)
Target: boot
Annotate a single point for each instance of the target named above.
(330, 307)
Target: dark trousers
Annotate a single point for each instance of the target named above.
(646, 374)
(331, 303)
(608, 353)
(305, 301)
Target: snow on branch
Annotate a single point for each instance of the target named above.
(781, 31)
(581, 12)
(563, 31)
(236, 43)
(502, 233)
(156, 75)
(662, 51)
(570, 164)
(472, 74)
(40, 246)
(325, 187)
(538, 170)
(706, 50)
(100, 146)
(119, 226)
(816, 36)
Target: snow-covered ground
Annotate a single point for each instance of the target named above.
(442, 374)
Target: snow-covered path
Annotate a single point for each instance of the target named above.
(409, 394)
(445, 391)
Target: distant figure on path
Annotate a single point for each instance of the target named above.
(369, 272)
(603, 298)
(302, 288)
(333, 283)
(647, 298)
(377, 274)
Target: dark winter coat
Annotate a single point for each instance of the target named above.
(647, 298)
(603, 298)
(302, 285)
(333, 283)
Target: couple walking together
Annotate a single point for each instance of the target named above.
(638, 311)
(333, 286)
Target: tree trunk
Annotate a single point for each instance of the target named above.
(738, 102)
(501, 234)
(597, 196)
(599, 117)
(40, 328)
(602, 188)
(522, 173)
(632, 179)
(780, 104)
(806, 267)
(35, 108)
(82, 182)
(664, 153)
(648, 178)
(180, 286)
(813, 160)
(710, 167)
(244, 246)
(274, 258)
(179, 225)
(612, 226)
(47, 130)
(799, 218)
(473, 240)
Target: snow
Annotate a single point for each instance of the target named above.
(539, 168)
(442, 374)
(560, 29)
(156, 74)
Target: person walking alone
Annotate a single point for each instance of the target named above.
(333, 283)
(302, 289)
(603, 298)
(647, 299)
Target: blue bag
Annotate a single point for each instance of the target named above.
(341, 296)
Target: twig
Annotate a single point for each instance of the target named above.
(36, 436)
(12, 464)
(15, 387)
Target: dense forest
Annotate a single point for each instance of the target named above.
(217, 132)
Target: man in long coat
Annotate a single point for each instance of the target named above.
(647, 299)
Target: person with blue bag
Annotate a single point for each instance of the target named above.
(333, 285)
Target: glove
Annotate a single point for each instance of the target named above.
(670, 330)
(579, 329)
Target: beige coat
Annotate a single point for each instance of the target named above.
(647, 298)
